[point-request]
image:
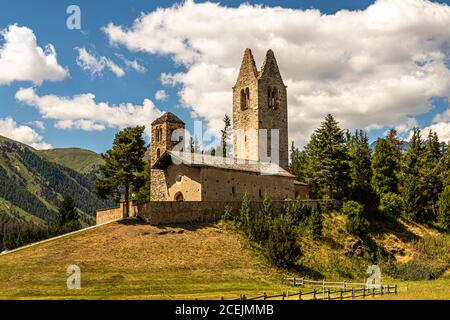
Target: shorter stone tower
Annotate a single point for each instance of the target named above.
(162, 141)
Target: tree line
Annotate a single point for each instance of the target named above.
(413, 184)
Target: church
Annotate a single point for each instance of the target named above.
(260, 160)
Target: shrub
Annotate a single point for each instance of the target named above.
(298, 211)
(357, 223)
(244, 213)
(259, 225)
(315, 223)
(444, 208)
(227, 213)
(282, 248)
(391, 205)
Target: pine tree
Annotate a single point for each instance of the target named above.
(412, 188)
(329, 169)
(361, 171)
(225, 135)
(444, 208)
(384, 168)
(429, 171)
(123, 166)
(315, 223)
(66, 213)
(299, 161)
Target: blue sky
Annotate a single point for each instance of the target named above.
(47, 21)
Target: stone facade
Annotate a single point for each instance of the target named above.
(167, 132)
(172, 212)
(260, 102)
(114, 214)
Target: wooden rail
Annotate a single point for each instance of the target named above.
(344, 290)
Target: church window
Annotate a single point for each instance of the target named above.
(158, 153)
(179, 197)
(245, 98)
(233, 190)
(272, 97)
(260, 193)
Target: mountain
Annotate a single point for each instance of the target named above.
(80, 160)
(32, 183)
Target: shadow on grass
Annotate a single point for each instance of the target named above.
(391, 225)
(194, 226)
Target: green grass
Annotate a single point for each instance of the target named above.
(80, 160)
(131, 260)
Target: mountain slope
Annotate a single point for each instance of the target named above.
(80, 160)
(31, 187)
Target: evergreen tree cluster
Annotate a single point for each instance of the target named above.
(386, 182)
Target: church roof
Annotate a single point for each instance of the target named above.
(168, 117)
(203, 160)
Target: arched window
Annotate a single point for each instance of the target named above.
(245, 98)
(179, 197)
(158, 153)
(272, 98)
(159, 135)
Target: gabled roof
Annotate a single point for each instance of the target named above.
(202, 160)
(168, 117)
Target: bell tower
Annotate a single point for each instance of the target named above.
(162, 141)
(260, 102)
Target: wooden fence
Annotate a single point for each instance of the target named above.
(327, 291)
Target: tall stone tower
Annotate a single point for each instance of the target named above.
(162, 130)
(260, 102)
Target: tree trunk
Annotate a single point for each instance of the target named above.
(127, 199)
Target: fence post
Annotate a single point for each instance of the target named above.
(294, 282)
(302, 282)
(342, 297)
(300, 295)
(364, 292)
(382, 290)
(282, 296)
(314, 294)
(373, 292)
(395, 289)
(353, 293)
(328, 294)
(265, 296)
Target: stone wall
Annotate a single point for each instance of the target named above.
(115, 214)
(171, 212)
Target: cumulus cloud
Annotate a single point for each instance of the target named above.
(21, 59)
(82, 112)
(161, 95)
(10, 129)
(95, 65)
(371, 68)
(132, 64)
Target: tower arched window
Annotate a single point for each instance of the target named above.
(272, 97)
(245, 98)
(159, 135)
(158, 153)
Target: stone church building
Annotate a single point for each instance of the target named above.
(259, 105)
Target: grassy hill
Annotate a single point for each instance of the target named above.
(131, 260)
(31, 186)
(80, 160)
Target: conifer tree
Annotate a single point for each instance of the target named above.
(299, 161)
(429, 172)
(384, 168)
(225, 135)
(329, 169)
(67, 216)
(123, 166)
(361, 171)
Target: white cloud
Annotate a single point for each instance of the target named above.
(21, 59)
(38, 124)
(10, 129)
(161, 95)
(82, 112)
(95, 65)
(132, 64)
(371, 68)
(441, 128)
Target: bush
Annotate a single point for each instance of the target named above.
(259, 225)
(391, 205)
(228, 213)
(315, 223)
(417, 270)
(357, 223)
(282, 248)
(444, 208)
(243, 218)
